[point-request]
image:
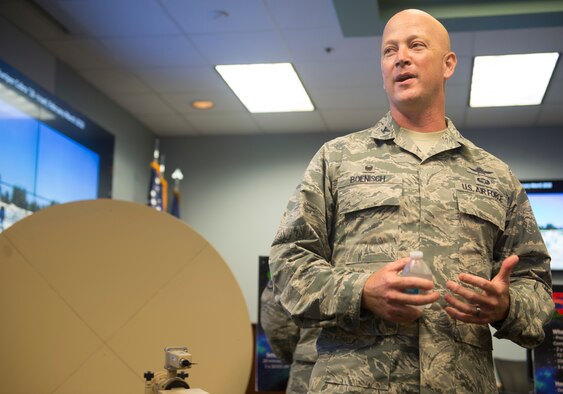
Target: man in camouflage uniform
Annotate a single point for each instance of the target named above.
(411, 182)
(291, 344)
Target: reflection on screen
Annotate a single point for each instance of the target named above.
(40, 166)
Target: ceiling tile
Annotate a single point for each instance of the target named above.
(147, 52)
(169, 47)
(181, 79)
(311, 44)
(340, 73)
(218, 16)
(296, 14)
(242, 47)
(109, 18)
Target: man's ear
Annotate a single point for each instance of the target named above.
(450, 61)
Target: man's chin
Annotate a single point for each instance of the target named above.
(406, 101)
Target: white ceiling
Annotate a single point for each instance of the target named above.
(154, 57)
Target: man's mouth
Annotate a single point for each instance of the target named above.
(403, 77)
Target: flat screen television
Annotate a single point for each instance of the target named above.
(49, 152)
(546, 198)
(548, 357)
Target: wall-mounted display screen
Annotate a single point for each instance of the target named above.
(49, 153)
(546, 198)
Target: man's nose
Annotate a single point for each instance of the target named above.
(402, 57)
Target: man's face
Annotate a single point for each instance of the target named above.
(413, 60)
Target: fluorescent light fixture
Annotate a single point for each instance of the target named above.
(202, 104)
(510, 80)
(273, 87)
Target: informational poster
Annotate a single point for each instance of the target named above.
(548, 357)
(271, 373)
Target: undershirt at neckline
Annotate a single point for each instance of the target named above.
(424, 141)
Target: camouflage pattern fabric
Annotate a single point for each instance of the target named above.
(282, 332)
(299, 376)
(288, 342)
(370, 198)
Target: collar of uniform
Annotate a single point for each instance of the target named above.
(387, 129)
(452, 138)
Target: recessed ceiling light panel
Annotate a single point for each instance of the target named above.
(202, 104)
(511, 80)
(273, 87)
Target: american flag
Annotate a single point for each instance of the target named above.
(158, 186)
(155, 187)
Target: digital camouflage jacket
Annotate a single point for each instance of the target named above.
(370, 198)
(293, 345)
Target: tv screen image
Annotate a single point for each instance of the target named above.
(548, 356)
(49, 153)
(546, 198)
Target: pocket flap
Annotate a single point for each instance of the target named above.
(486, 204)
(356, 196)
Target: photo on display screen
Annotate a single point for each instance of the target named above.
(546, 198)
(49, 153)
(548, 356)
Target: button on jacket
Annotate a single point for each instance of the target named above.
(371, 197)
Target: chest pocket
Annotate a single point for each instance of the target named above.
(358, 197)
(482, 220)
(490, 208)
(368, 215)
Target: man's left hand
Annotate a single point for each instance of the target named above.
(490, 305)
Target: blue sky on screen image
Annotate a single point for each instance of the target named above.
(47, 164)
(548, 209)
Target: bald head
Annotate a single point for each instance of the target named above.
(416, 61)
(424, 20)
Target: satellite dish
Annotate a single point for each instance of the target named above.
(92, 292)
